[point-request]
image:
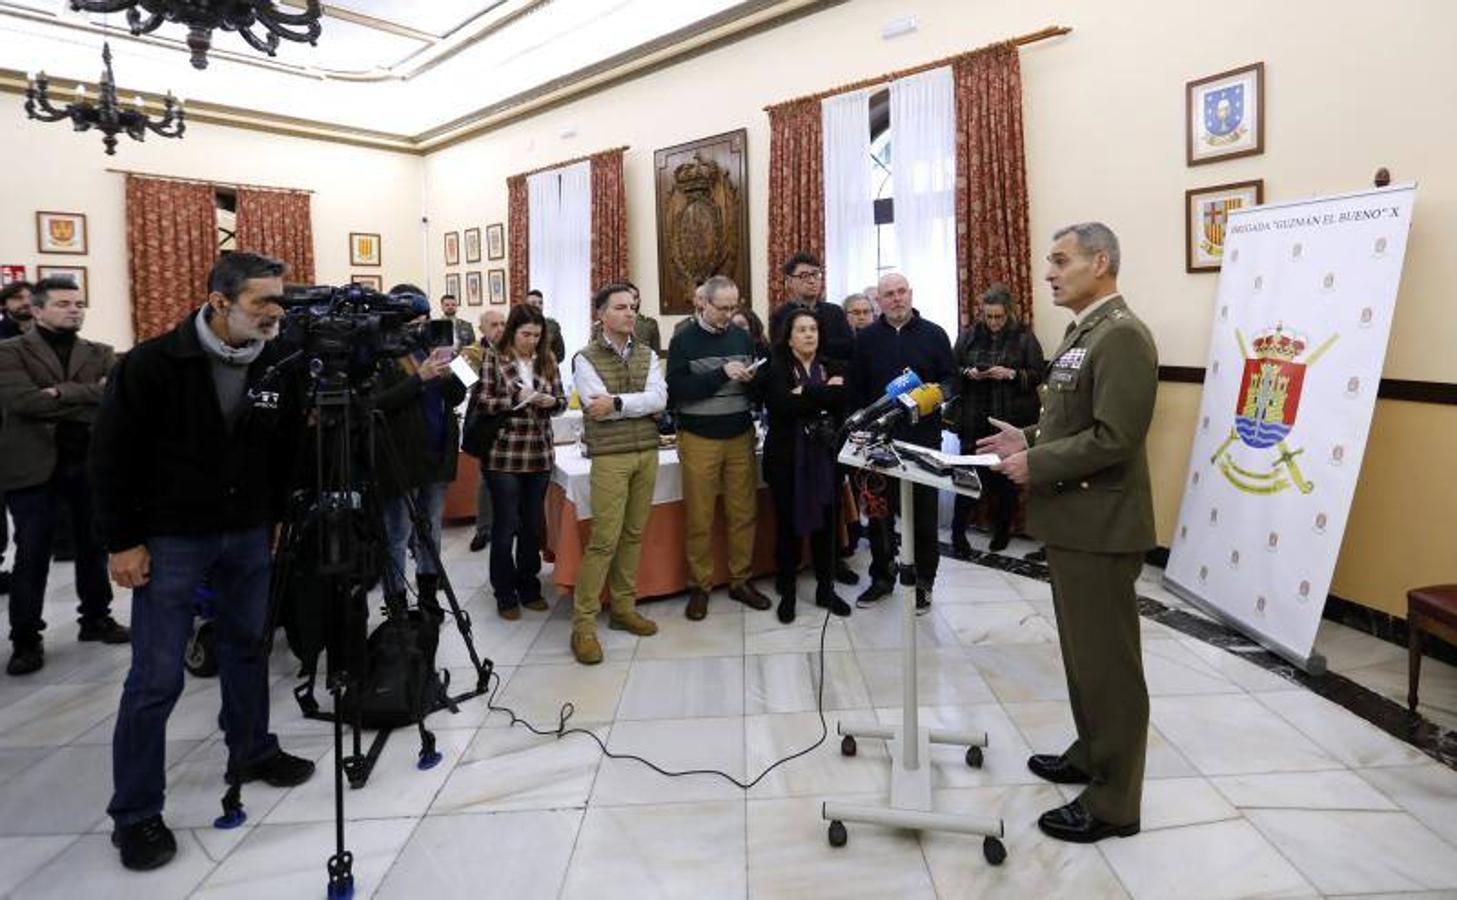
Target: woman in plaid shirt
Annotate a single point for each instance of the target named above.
(520, 381)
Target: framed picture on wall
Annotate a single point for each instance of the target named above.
(77, 274)
(11, 273)
(1225, 115)
(702, 216)
(452, 284)
(452, 248)
(60, 232)
(496, 241)
(472, 245)
(1206, 215)
(497, 286)
(473, 288)
(373, 282)
(364, 249)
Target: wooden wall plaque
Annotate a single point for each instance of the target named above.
(703, 217)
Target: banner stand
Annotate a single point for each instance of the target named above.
(1314, 664)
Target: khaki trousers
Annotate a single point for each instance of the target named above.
(622, 497)
(711, 467)
(1097, 624)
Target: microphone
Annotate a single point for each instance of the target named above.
(907, 381)
(914, 405)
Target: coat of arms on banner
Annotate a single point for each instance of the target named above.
(1265, 413)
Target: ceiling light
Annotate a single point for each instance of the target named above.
(202, 16)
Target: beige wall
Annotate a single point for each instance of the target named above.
(49, 166)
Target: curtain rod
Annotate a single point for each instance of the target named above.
(1020, 41)
(228, 184)
(567, 162)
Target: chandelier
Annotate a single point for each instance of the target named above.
(202, 16)
(106, 114)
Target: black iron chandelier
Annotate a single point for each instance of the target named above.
(202, 16)
(107, 115)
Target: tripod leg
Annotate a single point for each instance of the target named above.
(341, 864)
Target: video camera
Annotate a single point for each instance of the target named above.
(356, 324)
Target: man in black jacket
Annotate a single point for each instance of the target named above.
(804, 286)
(900, 339)
(190, 459)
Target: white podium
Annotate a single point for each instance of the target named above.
(909, 743)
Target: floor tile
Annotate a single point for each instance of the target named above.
(998, 623)
(1342, 851)
(56, 714)
(635, 852)
(945, 676)
(1170, 669)
(684, 688)
(21, 857)
(536, 692)
(1004, 758)
(90, 863)
(1017, 673)
(195, 785)
(822, 770)
(520, 855)
(1428, 792)
(1048, 728)
(1228, 663)
(674, 745)
(879, 627)
(1202, 862)
(1228, 734)
(513, 769)
(681, 638)
(766, 634)
(1333, 789)
(284, 861)
(1340, 733)
(789, 682)
(554, 643)
(67, 791)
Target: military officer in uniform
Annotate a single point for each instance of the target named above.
(1091, 504)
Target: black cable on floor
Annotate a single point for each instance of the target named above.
(567, 710)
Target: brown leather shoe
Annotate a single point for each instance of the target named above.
(586, 648)
(634, 622)
(697, 604)
(749, 595)
(537, 605)
(510, 613)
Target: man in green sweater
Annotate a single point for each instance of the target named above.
(709, 377)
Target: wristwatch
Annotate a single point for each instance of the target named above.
(616, 403)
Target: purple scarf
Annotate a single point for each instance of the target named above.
(814, 466)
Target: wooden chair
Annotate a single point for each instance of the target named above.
(1432, 610)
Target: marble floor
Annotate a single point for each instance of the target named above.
(1256, 786)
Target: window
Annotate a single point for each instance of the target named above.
(887, 256)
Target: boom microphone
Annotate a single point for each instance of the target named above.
(907, 381)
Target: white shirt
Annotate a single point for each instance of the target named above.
(652, 399)
(1078, 318)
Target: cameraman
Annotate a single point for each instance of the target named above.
(805, 395)
(189, 458)
(418, 396)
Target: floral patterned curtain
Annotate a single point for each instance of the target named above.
(171, 230)
(518, 257)
(992, 243)
(278, 224)
(796, 187)
(609, 219)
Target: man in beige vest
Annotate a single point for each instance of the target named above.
(1090, 502)
(621, 390)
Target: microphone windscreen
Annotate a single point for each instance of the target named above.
(928, 398)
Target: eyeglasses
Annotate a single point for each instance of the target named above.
(811, 275)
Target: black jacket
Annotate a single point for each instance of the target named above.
(788, 409)
(837, 338)
(164, 462)
(402, 396)
(1014, 400)
(882, 353)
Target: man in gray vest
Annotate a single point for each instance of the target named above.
(621, 389)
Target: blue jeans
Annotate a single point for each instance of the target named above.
(238, 566)
(518, 505)
(430, 501)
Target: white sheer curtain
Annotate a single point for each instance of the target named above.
(849, 195)
(559, 204)
(923, 171)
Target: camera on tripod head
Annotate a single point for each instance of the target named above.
(358, 325)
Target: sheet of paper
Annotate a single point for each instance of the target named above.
(462, 370)
(950, 459)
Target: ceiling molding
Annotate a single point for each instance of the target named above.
(705, 36)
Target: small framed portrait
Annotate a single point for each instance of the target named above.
(497, 286)
(77, 275)
(60, 232)
(373, 282)
(496, 241)
(473, 288)
(452, 284)
(1206, 212)
(452, 248)
(1225, 115)
(364, 249)
(472, 245)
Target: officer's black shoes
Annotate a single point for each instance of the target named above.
(960, 546)
(831, 601)
(879, 589)
(27, 658)
(106, 630)
(845, 575)
(280, 770)
(923, 600)
(1073, 823)
(1055, 768)
(145, 845)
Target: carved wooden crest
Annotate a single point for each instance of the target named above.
(702, 218)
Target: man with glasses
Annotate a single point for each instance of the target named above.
(804, 284)
(709, 378)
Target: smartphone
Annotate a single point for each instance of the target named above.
(440, 333)
(754, 365)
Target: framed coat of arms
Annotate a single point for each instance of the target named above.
(703, 217)
(60, 232)
(1206, 213)
(1225, 115)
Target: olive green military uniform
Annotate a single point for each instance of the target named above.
(1090, 502)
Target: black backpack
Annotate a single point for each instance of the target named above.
(400, 685)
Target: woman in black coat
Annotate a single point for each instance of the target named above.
(1001, 366)
(805, 398)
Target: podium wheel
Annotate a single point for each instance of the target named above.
(847, 745)
(838, 835)
(973, 757)
(994, 850)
